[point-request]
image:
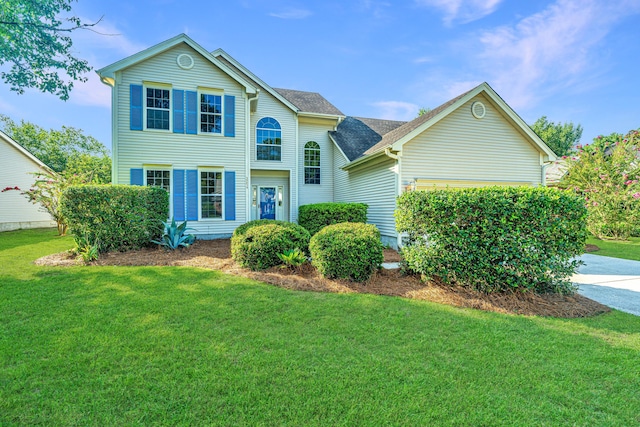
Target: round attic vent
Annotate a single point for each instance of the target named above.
(478, 110)
(185, 61)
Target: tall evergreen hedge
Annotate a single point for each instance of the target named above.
(316, 216)
(115, 217)
(495, 238)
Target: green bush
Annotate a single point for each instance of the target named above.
(347, 251)
(607, 175)
(315, 217)
(257, 244)
(494, 239)
(114, 217)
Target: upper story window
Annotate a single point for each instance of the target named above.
(210, 113)
(158, 108)
(312, 163)
(268, 139)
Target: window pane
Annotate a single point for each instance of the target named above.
(158, 108)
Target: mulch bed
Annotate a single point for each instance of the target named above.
(216, 255)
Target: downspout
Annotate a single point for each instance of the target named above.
(247, 157)
(396, 157)
(388, 153)
(293, 210)
(111, 82)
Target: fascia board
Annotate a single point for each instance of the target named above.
(221, 52)
(109, 71)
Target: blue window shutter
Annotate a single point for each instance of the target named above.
(135, 107)
(229, 196)
(178, 194)
(136, 177)
(178, 111)
(192, 112)
(229, 115)
(192, 195)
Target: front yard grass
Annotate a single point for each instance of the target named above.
(186, 346)
(628, 249)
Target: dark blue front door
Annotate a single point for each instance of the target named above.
(267, 203)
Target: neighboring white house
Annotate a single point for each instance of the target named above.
(17, 166)
(230, 148)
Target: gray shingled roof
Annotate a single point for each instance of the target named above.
(355, 135)
(309, 102)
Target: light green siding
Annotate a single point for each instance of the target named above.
(182, 151)
(316, 131)
(461, 147)
(374, 185)
(269, 106)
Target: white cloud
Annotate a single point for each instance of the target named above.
(424, 60)
(91, 93)
(291, 13)
(548, 50)
(463, 11)
(105, 40)
(396, 110)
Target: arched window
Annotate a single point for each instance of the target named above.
(268, 139)
(312, 163)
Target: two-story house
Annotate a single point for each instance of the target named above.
(229, 148)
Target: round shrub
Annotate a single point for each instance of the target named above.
(256, 222)
(256, 245)
(347, 251)
(316, 216)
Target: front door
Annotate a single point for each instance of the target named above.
(267, 203)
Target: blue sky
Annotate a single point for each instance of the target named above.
(571, 60)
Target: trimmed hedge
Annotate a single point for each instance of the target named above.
(494, 239)
(316, 216)
(256, 244)
(347, 251)
(115, 217)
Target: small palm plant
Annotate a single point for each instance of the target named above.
(174, 235)
(293, 258)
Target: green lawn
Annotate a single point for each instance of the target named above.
(629, 249)
(184, 346)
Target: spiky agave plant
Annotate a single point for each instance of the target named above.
(174, 235)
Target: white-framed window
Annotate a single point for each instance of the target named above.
(210, 112)
(159, 177)
(312, 163)
(211, 200)
(268, 139)
(157, 107)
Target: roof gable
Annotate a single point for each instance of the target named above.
(107, 74)
(396, 138)
(23, 151)
(228, 60)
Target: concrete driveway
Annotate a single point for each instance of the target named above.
(611, 281)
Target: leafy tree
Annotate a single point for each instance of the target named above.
(66, 150)
(560, 137)
(35, 40)
(607, 174)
